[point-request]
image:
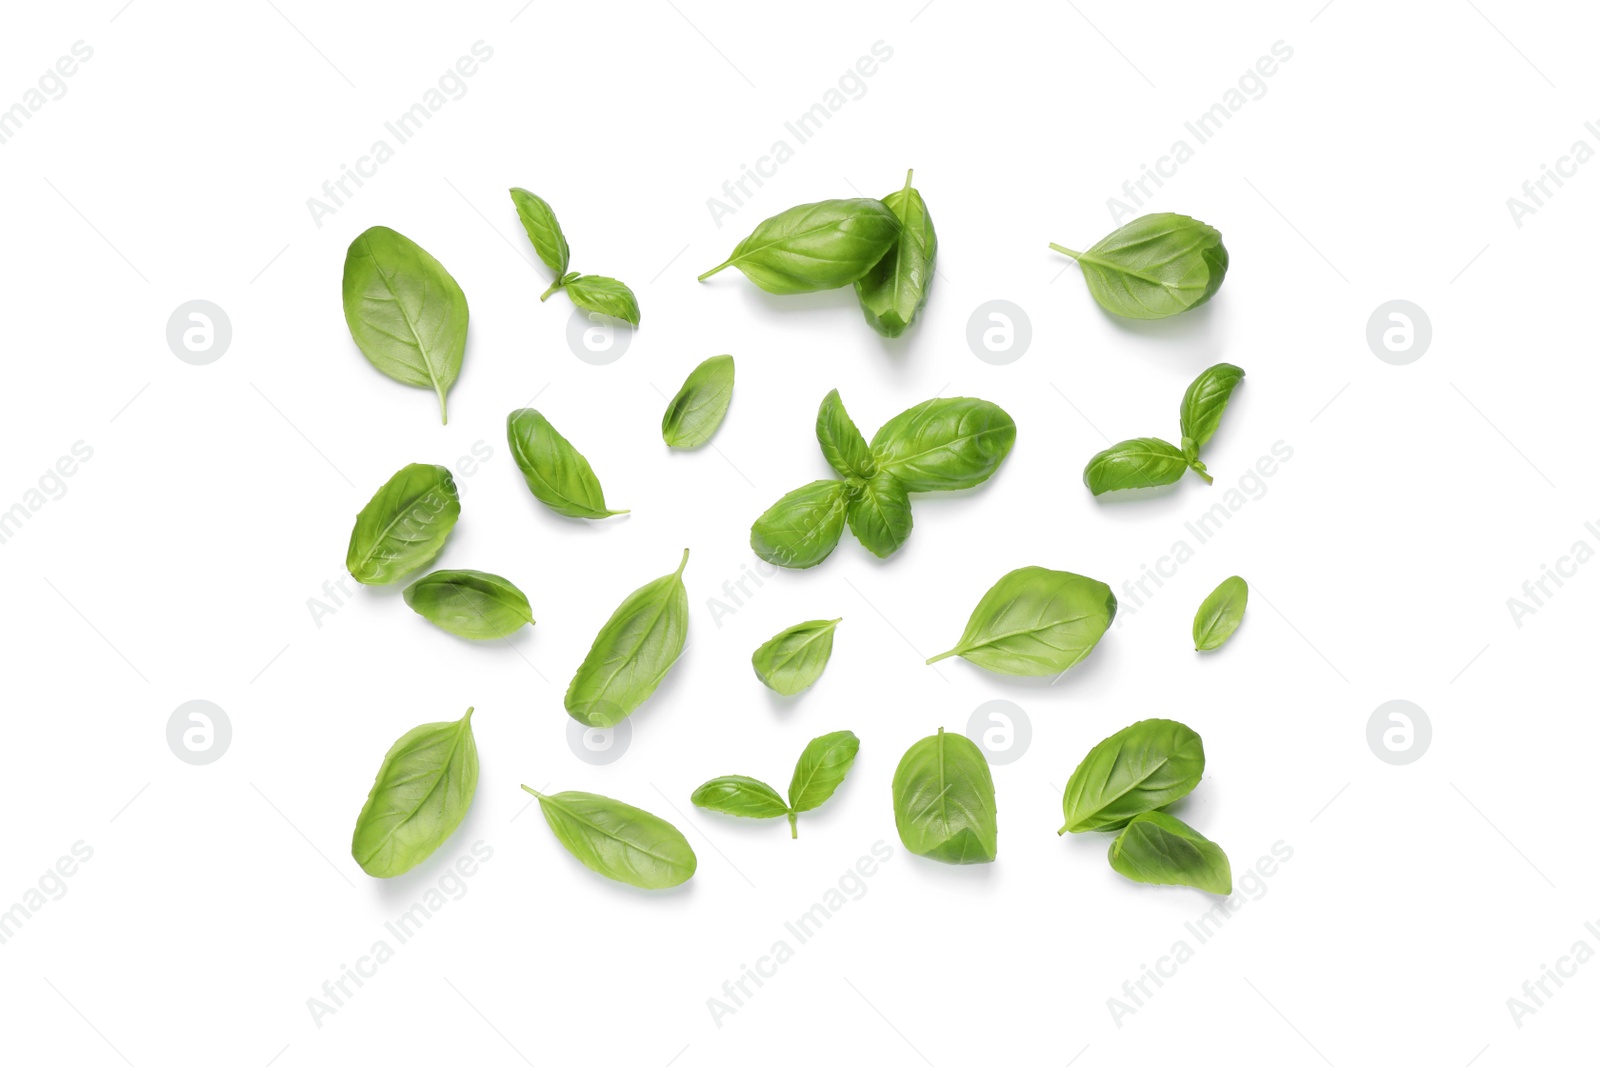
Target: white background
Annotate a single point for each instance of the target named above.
(180, 561)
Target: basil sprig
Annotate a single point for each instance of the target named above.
(1155, 266)
(820, 770)
(592, 292)
(1145, 462)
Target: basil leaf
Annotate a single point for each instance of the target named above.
(894, 291)
(632, 652)
(880, 515)
(405, 312)
(1035, 621)
(1155, 266)
(842, 444)
(801, 529)
(1204, 402)
(557, 474)
(423, 790)
(1137, 464)
(404, 525)
(944, 801)
(697, 410)
(620, 841)
(470, 604)
(948, 443)
(604, 295)
(793, 660)
(1158, 849)
(821, 770)
(734, 794)
(543, 230)
(1220, 614)
(1137, 769)
(815, 246)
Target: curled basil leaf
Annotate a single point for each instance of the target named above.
(543, 230)
(557, 474)
(1158, 849)
(1205, 400)
(802, 528)
(423, 790)
(696, 412)
(1035, 621)
(406, 313)
(1137, 769)
(946, 443)
(1220, 614)
(622, 842)
(842, 444)
(470, 604)
(404, 525)
(892, 292)
(606, 296)
(879, 514)
(944, 801)
(1137, 464)
(792, 661)
(632, 653)
(1153, 267)
(825, 245)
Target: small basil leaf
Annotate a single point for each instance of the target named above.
(1137, 464)
(793, 660)
(557, 474)
(821, 769)
(632, 653)
(1204, 402)
(423, 790)
(622, 842)
(801, 529)
(1220, 614)
(1035, 621)
(607, 296)
(470, 604)
(1155, 266)
(697, 410)
(543, 230)
(948, 443)
(944, 801)
(406, 313)
(734, 794)
(894, 291)
(1158, 849)
(1137, 769)
(404, 525)
(842, 444)
(815, 246)
(880, 515)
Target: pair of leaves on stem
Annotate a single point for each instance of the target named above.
(591, 292)
(942, 444)
(632, 653)
(557, 474)
(820, 770)
(1123, 783)
(1035, 621)
(1145, 462)
(694, 414)
(944, 801)
(617, 840)
(422, 792)
(1153, 267)
(793, 660)
(1220, 614)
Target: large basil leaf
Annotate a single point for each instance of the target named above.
(1137, 769)
(793, 660)
(543, 230)
(470, 604)
(801, 529)
(948, 443)
(423, 790)
(880, 514)
(1205, 400)
(1220, 614)
(1158, 849)
(404, 525)
(842, 444)
(1155, 266)
(632, 652)
(618, 840)
(697, 410)
(894, 291)
(604, 295)
(1035, 621)
(556, 473)
(944, 801)
(405, 312)
(821, 770)
(1137, 464)
(735, 794)
(815, 246)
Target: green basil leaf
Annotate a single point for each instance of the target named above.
(815, 246)
(821, 769)
(1204, 402)
(1155, 266)
(470, 604)
(793, 660)
(1035, 621)
(1220, 614)
(734, 794)
(404, 525)
(947, 443)
(557, 474)
(1137, 769)
(1137, 464)
(880, 515)
(892, 292)
(801, 529)
(543, 230)
(423, 790)
(632, 652)
(620, 841)
(842, 444)
(697, 410)
(944, 801)
(1158, 849)
(405, 312)
(607, 296)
